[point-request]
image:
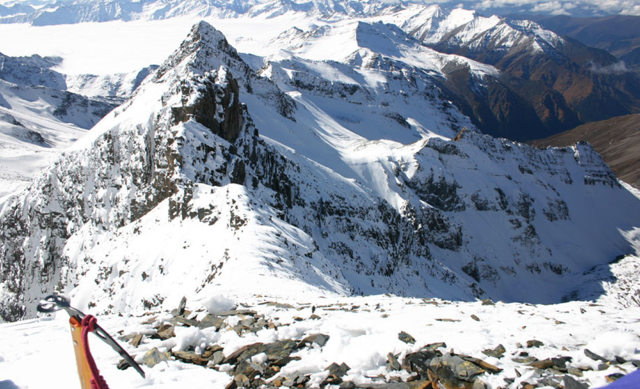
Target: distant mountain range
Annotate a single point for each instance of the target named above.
(617, 34)
(543, 83)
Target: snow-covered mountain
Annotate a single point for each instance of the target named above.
(213, 177)
(39, 117)
(43, 111)
(558, 77)
(547, 84)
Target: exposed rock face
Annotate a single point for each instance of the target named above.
(219, 111)
(34, 70)
(177, 187)
(617, 140)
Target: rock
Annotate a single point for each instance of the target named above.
(181, 306)
(571, 383)
(524, 359)
(186, 322)
(154, 356)
(636, 363)
(211, 321)
(455, 372)
(319, 339)
(620, 360)
(248, 322)
(245, 352)
(210, 351)
(482, 364)
(338, 370)
(474, 317)
(433, 346)
(561, 362)
(403, 336)
(280, 349)
(392, 363)
(242, 381)
(249, 369)
(399, 385)
(297, 381)
(314, 317)
(190, 357)
(237, 312)
(479, 384)
(331, 379)
(283, 361)
(534, 343)
(217, 358)
(544, 364)
(593, 355)
(487, 302)
(164, 332)
(277, 305)
(135, 342)
(150, 320)
(553, 381)
(419, 362)
(497, 352)
(614, 377)
(123, 365)
(347, 385)
(574, 371)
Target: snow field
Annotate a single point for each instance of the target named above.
(362, 330)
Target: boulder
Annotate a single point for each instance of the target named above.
(154, 356)
(454, 372)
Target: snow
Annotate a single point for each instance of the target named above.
(23, 154)
(362, 331)
(386, 130)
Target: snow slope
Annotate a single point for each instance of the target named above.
(36, 123)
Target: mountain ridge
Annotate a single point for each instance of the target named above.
(136, 203)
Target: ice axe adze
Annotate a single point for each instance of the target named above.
(81, 325)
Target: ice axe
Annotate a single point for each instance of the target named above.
(81, 325)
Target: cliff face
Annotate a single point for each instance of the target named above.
(176, 194)
(615, 139)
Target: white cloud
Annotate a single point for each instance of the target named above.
(616, 68)
(595, 7)
(553, 8)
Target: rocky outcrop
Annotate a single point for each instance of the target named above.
(615, 140)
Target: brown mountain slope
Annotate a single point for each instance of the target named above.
(617, 140)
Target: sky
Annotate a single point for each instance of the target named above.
(551, 7)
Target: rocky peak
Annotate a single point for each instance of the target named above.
(205, 48)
